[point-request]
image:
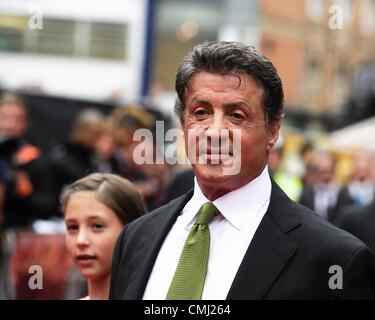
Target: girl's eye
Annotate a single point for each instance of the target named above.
(72, 228)
(97, 226)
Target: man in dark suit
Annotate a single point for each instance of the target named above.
(179, 183)
(360, 221)
(236, 235)
(323, 196)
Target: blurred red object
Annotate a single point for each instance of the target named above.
(48, 253)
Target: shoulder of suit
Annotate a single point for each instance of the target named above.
(323, 235)
(308, 229)
(156, 213)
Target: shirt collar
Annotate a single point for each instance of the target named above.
(238, 206)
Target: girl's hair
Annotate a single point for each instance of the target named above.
(115, 192)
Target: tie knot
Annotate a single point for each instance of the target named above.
(206, 213)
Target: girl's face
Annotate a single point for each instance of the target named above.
(92, 231)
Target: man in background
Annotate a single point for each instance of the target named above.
(17, 158)
(69, 161)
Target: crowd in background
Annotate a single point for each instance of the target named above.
(32, 182)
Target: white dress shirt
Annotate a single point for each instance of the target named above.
(241, 212)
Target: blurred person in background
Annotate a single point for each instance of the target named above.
(70, 160)
(107, 152)
(360, 221)
(310, 171)
(2, 196)
(289, 183)
(17, 181)
(149, 178)
(17, 159)
(358, 193)
(322, 196)
(361, 189)
(96, 208)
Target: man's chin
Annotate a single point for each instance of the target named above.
(215, 159)
(211, 173)
(218, 166)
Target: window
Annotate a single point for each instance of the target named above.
(107, 40)
(64, 37)
(56, 37)
(11, 33)
(10, 39)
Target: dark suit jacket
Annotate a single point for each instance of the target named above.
(360, 221)
(180, 183)
(288, 258)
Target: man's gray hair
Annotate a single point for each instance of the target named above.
(235, 58)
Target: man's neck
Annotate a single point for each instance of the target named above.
(215, 191)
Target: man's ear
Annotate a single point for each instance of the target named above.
(274, 129)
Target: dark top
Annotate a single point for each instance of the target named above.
(66, 163)
(16, 156)
(360, 221)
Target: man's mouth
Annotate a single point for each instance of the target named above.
(214, 156)
(218, 152)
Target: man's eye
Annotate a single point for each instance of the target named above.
(200, 112)
(237, 115)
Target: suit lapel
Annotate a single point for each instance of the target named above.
(149, 246)
(269, 251)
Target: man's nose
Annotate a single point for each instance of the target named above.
(216, 126)
(218, 133)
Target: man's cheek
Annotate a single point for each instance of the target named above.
(233, 163)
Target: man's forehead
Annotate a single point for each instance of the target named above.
(239, 81)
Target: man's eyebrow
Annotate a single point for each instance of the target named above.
(236, 104)
(198, 100)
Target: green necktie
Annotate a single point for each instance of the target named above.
(188, 280)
